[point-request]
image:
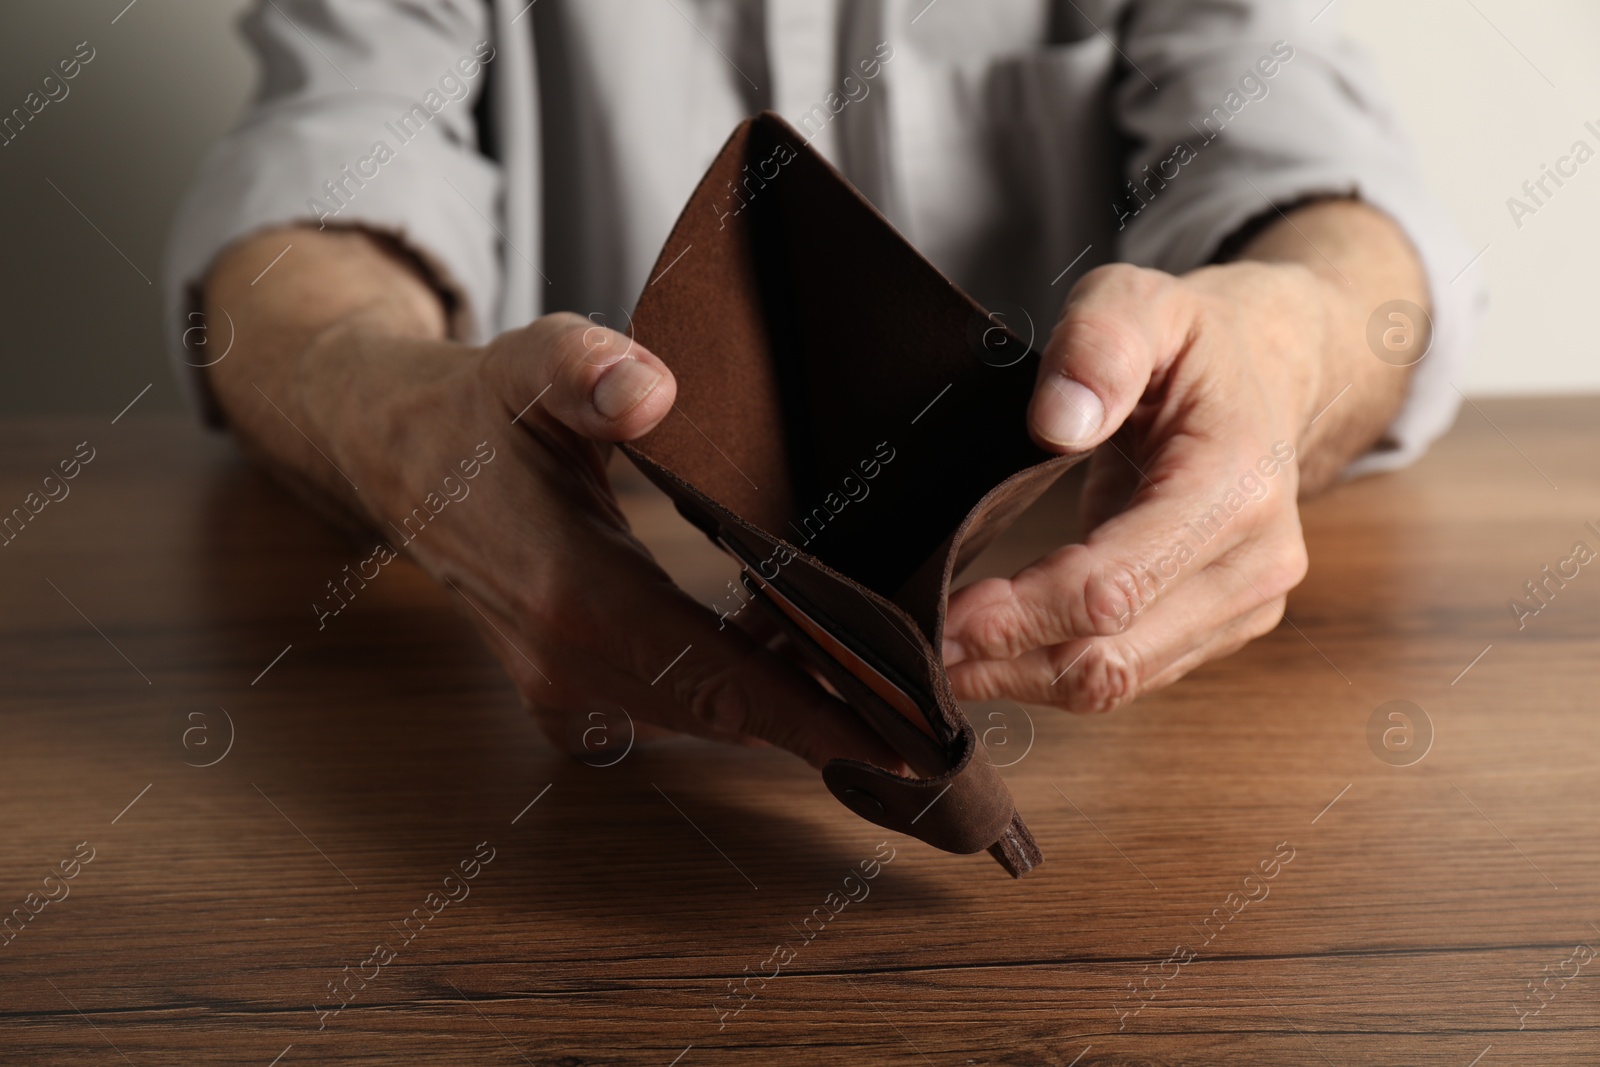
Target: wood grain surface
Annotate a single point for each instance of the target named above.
(157, 618)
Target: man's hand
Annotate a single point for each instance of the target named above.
(347, 345)
(1219, 397)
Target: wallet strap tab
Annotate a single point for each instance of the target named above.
(966, 809)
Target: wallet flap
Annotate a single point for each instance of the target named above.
(846, 419)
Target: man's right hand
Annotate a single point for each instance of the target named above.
(341, 377)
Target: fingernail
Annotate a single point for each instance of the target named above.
(623, 386)
(953, 653)
(1069, 413)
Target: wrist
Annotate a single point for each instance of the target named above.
(1331, 356)
(368, 386)
(1358, 259)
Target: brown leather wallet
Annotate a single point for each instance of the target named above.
(850, 427)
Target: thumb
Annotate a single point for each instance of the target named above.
(1119, 330)
(598, 383)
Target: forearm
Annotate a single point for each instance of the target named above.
(306, 336)
(1360, 260)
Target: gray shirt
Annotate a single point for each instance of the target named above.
(536, 155)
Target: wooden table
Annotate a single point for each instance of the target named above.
(161, 611)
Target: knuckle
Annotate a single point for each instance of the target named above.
(1267, 621)
(1020, 625)
(551, 724)
(569, 347)
(1123, 277)
(547, 329)
(546, 702)
(1285, 565)
(1108, 677)
(540, 684)
(555, 631)
(715, 697)
(1114, 595)
(1099, 335)
(530, 687)
(566, 349)
(993, 627)
(542, 611)
(996, 631)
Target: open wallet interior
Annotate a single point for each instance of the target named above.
(850, 426)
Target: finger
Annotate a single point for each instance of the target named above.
(642, 642)
(596, 734)
(724, 683)
(1095, 675)
(1212, 617)
(625, 636)
(1119, 330)
(1198, 501)
(567, 713)
(596, 382)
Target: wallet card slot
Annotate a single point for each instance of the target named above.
(866, 673)
(836, 645)
(926, 756)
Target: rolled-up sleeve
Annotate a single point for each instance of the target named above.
(1317, 126)
(363, 117)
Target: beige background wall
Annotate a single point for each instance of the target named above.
(80, 327)
(1484, 119)
(80, 330)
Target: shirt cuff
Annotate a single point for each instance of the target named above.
(299, 166)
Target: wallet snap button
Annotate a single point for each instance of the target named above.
(863, 803)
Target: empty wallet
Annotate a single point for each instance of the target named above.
(849, 426)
